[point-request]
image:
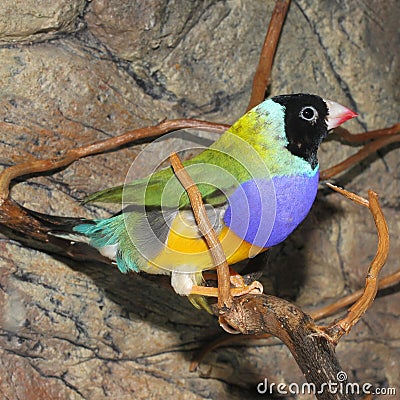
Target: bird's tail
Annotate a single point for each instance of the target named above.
(110, 237)
(107, 236)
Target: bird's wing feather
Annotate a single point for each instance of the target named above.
(162, 187)
(217, 171)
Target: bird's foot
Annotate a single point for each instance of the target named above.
(254, 288)
(240, 286)
(236, 279)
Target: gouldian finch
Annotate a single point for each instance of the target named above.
(258, 182)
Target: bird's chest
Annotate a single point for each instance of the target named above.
(265, 211)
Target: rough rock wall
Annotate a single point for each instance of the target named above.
(73, 72)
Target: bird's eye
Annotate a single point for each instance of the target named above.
(309, 113)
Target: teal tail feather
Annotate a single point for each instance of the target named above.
(112, 232)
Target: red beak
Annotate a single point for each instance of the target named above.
(338, 114)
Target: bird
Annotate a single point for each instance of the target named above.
(258, 181)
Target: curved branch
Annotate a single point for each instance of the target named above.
(363, 153)
(345, 301)
(343, 326)
(363, 297)
(72, 155)
(316, 315)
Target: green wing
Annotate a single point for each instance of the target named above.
(217, 172)
(164, 188)
(110, 195)
(134, 190)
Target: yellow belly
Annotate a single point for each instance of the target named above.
(186, 252)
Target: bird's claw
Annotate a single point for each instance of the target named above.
(254, 288)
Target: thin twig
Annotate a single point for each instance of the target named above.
(349, 195)
(384, 283)
(263, 73)
(72, 155)
(363, 153)
(205, 227)
(348, 137)
(343, 326)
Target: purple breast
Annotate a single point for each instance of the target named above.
(265, 211)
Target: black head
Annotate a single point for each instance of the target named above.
(305, 124)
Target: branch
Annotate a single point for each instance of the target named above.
(338, 329)
(312, 346)
(205, 227)
(314, 354)
(262, 75)
(331, 309)
(316, 315)
(72, 155)
(384, 138)
(348, 137)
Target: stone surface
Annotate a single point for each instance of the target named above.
(29, 21)
(83, 331)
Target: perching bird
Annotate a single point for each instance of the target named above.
(258, 182)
